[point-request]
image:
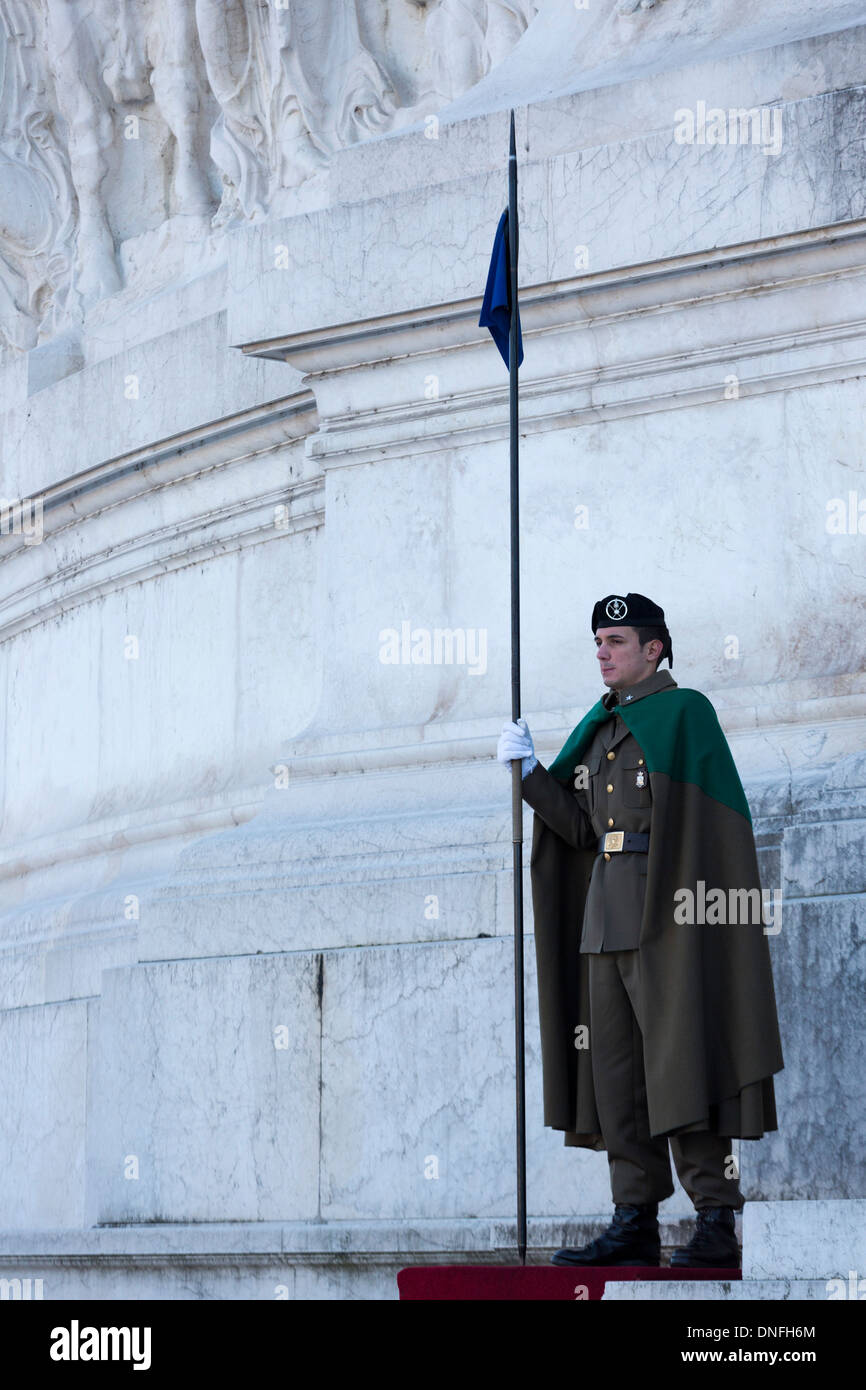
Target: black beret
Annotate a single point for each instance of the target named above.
(631, 610)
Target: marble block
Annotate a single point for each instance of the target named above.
(43, 1103)
(821, 1238)
(204, 1097)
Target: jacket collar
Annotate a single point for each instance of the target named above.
(659, 680)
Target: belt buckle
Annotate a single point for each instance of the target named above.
(613, 841)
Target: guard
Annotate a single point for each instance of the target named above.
(658, 1022)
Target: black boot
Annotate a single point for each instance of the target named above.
(632, 1238)
(714, 1243)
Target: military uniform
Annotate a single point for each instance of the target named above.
(617, 797)
(614, 795)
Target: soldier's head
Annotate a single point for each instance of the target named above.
(631, 639)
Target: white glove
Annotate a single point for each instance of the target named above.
(515, 741)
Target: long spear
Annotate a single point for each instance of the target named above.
(500, 313)
(516, 766)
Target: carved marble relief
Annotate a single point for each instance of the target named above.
(241, 102)
(469, 37)
(294, 84)
(37, 215)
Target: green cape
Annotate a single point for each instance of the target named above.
(711, 1037)
(680, 736)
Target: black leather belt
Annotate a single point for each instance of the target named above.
(615, 841)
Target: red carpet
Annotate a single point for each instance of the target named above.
(450, 1282)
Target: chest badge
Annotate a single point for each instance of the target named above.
(640, 778)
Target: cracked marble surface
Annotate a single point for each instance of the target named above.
(195, 1112)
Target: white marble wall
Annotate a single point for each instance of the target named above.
(204, 1104)
(280, 432)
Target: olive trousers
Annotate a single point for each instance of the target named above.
(640, 1169)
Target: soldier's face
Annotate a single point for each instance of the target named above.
(621, 658)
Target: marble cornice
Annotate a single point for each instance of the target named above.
(107, 511)
(201, 1243)
(760, 723)
(180, 456)
(111, 834)
(755, 724)
(595, 347)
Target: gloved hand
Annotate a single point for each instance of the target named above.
(515, 741)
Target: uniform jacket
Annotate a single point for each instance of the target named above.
(711, 1038)
(614, 794)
